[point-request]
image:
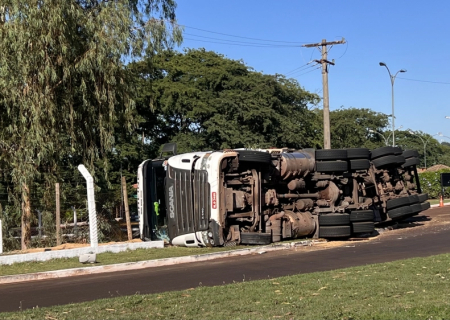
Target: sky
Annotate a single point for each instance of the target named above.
(411, 35)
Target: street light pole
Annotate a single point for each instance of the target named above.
(384, 138)
(393, 132)
(392, 77)
(382, 135)
(425, 144)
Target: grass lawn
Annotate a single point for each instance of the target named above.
(416, 288)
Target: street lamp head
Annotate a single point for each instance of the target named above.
(383, 64)
(447, 117)
(402, 70)
(411, 132)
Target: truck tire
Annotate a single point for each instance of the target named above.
(416, 209)
(423, 197)
(398, 202)
(254, 156)
(331, 166)
(334, 219)
(358, 153)
(331, 154)
(425, 205)
(410, 154)
(335, 232)
(361, 216)
(413, 199)
(359, 164)
(363, 227)
(398, 151)
(381, 152)
(411, 162)
(388, 160)
(255, 238)
(400, 213)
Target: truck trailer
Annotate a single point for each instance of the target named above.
(262, 196)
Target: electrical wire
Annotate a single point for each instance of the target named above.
(301, 68)
(309, 71)
(346, 47)
(262, 45)
(239, 42)
(304, 71)
(241, 37)
(437, 82)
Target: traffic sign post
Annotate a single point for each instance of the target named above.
(445, 182)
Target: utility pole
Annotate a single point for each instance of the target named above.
(326, 100)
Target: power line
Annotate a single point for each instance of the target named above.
(243, 42)
(262, 45)
(438, 82)
(301, 68)
(241, 37)
(309, 71)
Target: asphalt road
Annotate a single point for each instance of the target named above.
(428, 234)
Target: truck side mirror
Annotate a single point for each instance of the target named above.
(169, 148)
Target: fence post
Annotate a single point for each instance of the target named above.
(39, 223)
(91, 205)
(127, 209)
(1, 237)
(58, 216)
(75, 229)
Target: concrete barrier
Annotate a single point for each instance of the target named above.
(70, 253)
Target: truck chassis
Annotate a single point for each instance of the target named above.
(244, 196)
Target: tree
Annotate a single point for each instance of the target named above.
(202, 100)
(444, 157)
(350, 127)
(62, 80)
(425, 144)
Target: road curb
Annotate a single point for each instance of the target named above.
(149, 263)
(155, 263)
(75, 252)
(437, 205)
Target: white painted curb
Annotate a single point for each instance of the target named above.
(70, 253)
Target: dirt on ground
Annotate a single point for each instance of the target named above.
(431, 220)
(437, 167)
(68, 246)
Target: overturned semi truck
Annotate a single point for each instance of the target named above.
(244, 196)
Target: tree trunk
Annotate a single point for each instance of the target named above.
(26, 218)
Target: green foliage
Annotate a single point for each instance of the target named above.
(430, 182)
(10, 217)
(427, 146)
(444, 156)
(350, 128)
(202, 100)
(63, 85)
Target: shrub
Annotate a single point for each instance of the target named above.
(430, 182)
